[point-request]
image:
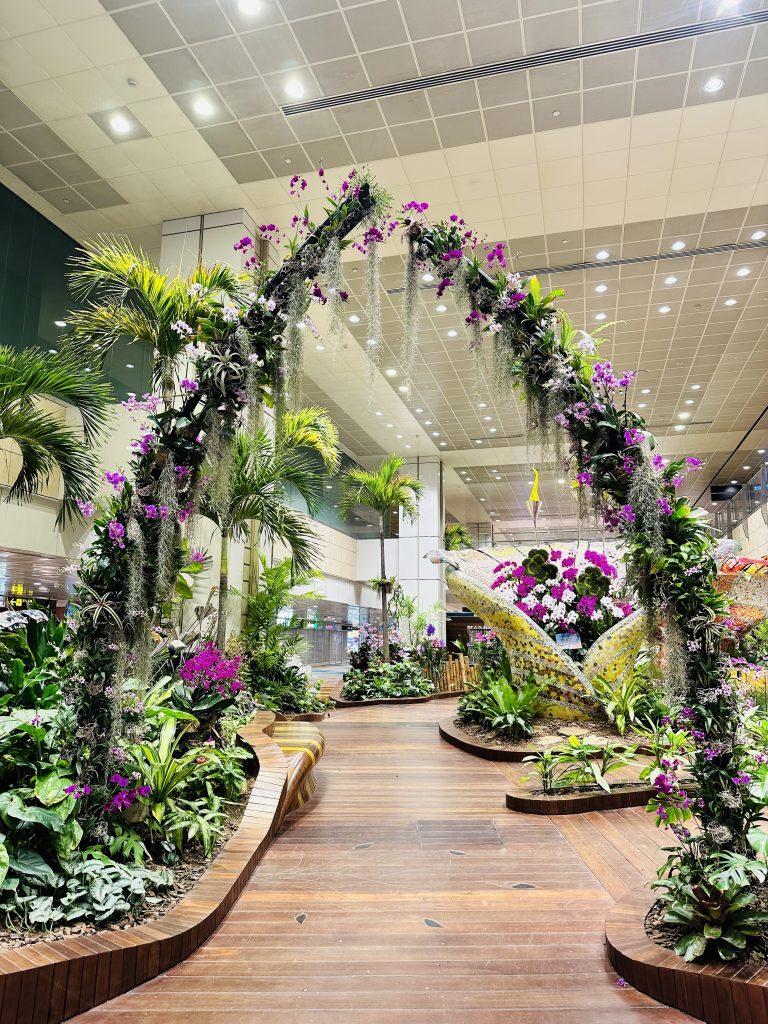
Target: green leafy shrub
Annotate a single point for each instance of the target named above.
(501, 707)
(624, 702)
(393, 679)
(579, 764)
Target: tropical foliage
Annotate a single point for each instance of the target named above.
(456, 536)
(387, 680)
(501, 707)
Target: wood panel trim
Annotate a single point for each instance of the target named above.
(49, 982)
(717, 993)
(340, 702)
(524, 802)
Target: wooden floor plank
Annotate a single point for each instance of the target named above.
(405, 893)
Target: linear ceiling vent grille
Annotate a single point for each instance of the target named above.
(533, 60)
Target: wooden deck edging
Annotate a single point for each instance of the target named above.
(525, 802)
(49, 982)
(717, 993)
(437, 695)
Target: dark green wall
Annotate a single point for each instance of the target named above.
(34, 293)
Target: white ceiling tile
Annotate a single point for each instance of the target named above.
(662, 126)
(646, 159)
(520, 205)
(749, 112)
(553, 173)
(683, 203)
(642, 186)
(90, 90)
(146, 83)
(101, 40)
(161, 116)
(425, 166)
(695, 178)
(136, 187)
(65, 11)
(701, 150)
(20, 18)
(706, 118)
(740, 172)
(603, 214)
(476, 156)
(55, 52)
(603, 166)
(16, 68)
(477, 185)
(605, 136)
(513, 152)
(81, 133)
(733, 197)
(48, 100)
(147, 154)
(564, 220)
(110, 160)
(560, 143)
(752, 142)
(211, 173)
(609, 190)
(172, 180)
(187, 147)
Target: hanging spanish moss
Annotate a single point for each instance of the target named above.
(373, 304)
(330, 268)
(674, 658)
(298, 301)
(137, 587)
(643, 497)
(410, 313)
(218, 467)
(252, 379)
(167, 531)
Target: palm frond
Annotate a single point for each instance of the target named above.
(312, 428)
(31, 374)
(110, 268)
(95, 329)
(383, 490)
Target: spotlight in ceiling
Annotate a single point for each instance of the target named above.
(427, 423)
(441, 308)
(409, 446)
(683, 415)
(695, 387)
(482, 405)
(428, 278)
(743, 272)
(59, 323)
(319, 348)
(645, 391)
(761, 451)
(372, 342)
(734, 481)
(561, 480)
(483, 499)
(52, 351)
(294, 90)
(435, 433)
(487, 418)
(354, 319)
(443, 444)
(479, 440)
(730, 302)
(129, 366)
(641, 405)
(670, 280)
(600, 288)
(678, 246)
(379, 413)
(599, 316)
(403, 388)
(203, 107)
(746, 467)
(602, 254)
(757, 236)
(714, 84)
(120, 124)
(680, 426)
(689, 401)
(492, 430)
(453, 334)
(249, 7)
(665, 309)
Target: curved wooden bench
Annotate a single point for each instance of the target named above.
(49, 982)
(303, 745)
(717, 993)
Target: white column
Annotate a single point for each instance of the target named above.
(419, 577)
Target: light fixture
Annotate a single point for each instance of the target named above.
(670, 280)
(680, 426)
(120, 124)
(441, 308)
(487, 418)
(714, 84)
(683, 415)
(641, 405)
(59, 323)
(319, 348)
(678, 245)
(371, 342)
(419, 409)
(730, 302)
(761, 451)
(645, 391)
(294, 90)
(491, 430)
(443, 444)
(453, 334)
(599, 316)
(757, 236)
(479, 441)
(561, 480)
(483, 499)
(379, 413)
(409, 446)
(354, 319)
(555, 113)
(695, 387)
(203, 107)
(435, 433)
(403, 387)
(129, 366)
(689, 401)
(665, 309)
(743, 272)
(746, 467)
(390, 426)
(399, 436)
(428, 278)
(249, 6)
(427, 423)
(600, 288)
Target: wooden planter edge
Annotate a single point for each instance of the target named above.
(716, 993)
(525, 802)
(49, 982)
(341, 703)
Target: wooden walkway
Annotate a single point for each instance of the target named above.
(405, 893)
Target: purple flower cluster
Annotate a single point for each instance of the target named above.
(116, 532)
(87, 508)
(209, 669)
(77, 791)
(127, 793)
(116, 479)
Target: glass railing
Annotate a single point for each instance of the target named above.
(736, 511)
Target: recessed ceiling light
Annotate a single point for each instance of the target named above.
(641, 405)
(743, 272)
(757, 236)
(443, 444)
(59, 323)
(483, 499)
(441, 308)
(695, 387)
(746, 467)
(734, 481)
(555, 113)
(479, 441)
(129, 366)
(435, 433)
(689, 401)
(561, 480)
(714, 84)
(52, 351)
(491, 430)
(683, 415)
(379, 413)
(319, 348)
(499, 478)
(453, 334)
(419, 409)
(761, 451)
(679, 426)
(403, 387)
(428, 278)
(354, 319)
(294, 89)
(487, 418)
(602, 254)
(665, 309)
(400, 436)
(427, 423)
(371, 342)
(678, 245)
(670, 280)
(482, 405)
(390, 426)
(645, 391)
(600, 288)
(120, 124)
(409, 446)
(730, 302)
(249, 6)
(203, 107)
(599, 316)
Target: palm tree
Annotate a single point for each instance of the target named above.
(384, 490)
(123, 294)
(45, 443)
(456, 536)
(262, 470)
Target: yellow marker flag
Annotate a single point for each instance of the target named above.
(534, 502)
